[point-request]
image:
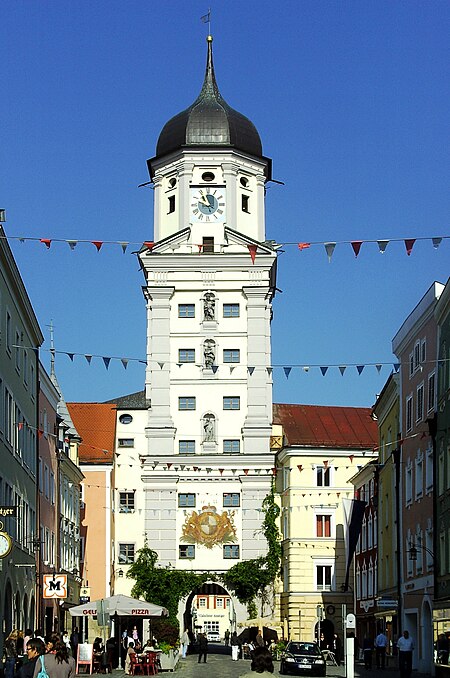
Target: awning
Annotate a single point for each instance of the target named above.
(123, 606)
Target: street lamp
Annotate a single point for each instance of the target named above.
(413, 552)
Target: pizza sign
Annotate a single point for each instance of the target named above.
(54, 586)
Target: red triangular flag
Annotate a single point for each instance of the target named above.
(221, 470)
(303, 245)
(300, 467)
(351, 457)
(252, 249)
(98, 244)
(246, 470)
(46, 242)
(356, 244)
(149, 244)
(409, 244)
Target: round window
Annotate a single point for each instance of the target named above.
(244, 181)
(172, 182)
(208, 176)
(125, 418)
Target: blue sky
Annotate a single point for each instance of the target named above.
(351, 101)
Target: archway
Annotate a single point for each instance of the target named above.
(209, 609)
(18, 613)
(427, 636)
(26, 618)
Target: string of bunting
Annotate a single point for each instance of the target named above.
(330, 246)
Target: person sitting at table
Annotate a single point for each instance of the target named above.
(130, 651)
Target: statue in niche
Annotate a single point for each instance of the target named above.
(208, 428)
(209, 306)
(209, 353)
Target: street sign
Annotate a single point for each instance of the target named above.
(387, 604)
(54, 586)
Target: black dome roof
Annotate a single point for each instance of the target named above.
(209, 121)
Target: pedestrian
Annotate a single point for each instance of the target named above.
(234, 647)
(367, 652)
(202, 647)
(74, 642)
(336, 646)
(34, 648)
(262, 663)
(381, 642)
(259, 640)
(184, 643)
(10, 653)
(57, 662)
(405, 649)
(323, 643)
(442, 649)
(227, 637)
(66, 641)
(28, 635)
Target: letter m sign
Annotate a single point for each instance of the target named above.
(54, 586)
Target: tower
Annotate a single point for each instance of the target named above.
(210, 279)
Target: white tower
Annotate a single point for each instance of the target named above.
(210, 280)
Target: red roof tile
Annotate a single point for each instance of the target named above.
(323, 426)
(96, 424)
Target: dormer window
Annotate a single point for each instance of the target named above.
(208, 176)
(171, 204)
(172, 182)
(245, 203)
(244, 182)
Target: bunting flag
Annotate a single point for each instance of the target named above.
(124, 246)
(97, 244)
(360, 368)
(436, 242)
(46, 242)
(106, 361)
(300, 467)
(149, 244)
(324, 370)
(252, 250)
(409, 244)
(250, 370)
(214, 368)
(342, 369)
(329, 248)
(356, 244)
(88, 358)
(72, 244)
(382, 244)
(287, 371)
(303, 245)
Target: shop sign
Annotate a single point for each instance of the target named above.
(54, 586)
(8, 511)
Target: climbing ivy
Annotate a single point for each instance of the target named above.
(255, 578)
(162, 585)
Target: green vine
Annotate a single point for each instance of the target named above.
(253, 578)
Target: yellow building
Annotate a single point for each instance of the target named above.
(322, 448)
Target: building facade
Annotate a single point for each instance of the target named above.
(415, 346)
(322, 448)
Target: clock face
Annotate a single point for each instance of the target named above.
(5, 544)
(208, 204)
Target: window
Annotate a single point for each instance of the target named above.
(8, 332)
(323, 577)
(423, 350)
(245, 203)
(208, 243)
(171, 204)
(231, 551)
(323, 526)
(25, 367)
(323, 476)
(126, 502)
(186, 500)
(409, 413)
(126, 554)
(219, 602)
(186, 310)
(419, 476)
(125, 418)
(231, 446)
(186, 403)
(416, 356)
(186, 447)
(231, 499)
(231, 402)
(126, 442)
(419, 403)
(17, 351)
(429, 470)
(411, 364)
(231, 310)
(202, 602)
(186, 355)
(431, 391)
(408, 483)
(231, 355)
(186, 552)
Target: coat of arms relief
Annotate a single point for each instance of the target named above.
(209, 528)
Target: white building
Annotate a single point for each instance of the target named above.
(198, 477)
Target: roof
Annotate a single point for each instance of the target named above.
(132, 401)
(209, 121)
(96, 424)
(326, 426)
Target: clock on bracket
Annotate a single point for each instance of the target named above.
(207, 204)
(6, 543)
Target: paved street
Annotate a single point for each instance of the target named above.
(222, 666)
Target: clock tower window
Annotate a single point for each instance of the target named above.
(208, 244)
(171, 204)
(245, 203)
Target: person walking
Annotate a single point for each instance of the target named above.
(227, 637)
(74, 642)
(184, 643)
(381, 642)
(34, 648)
(405, 646)
(367, 652)
(262, 663)
(57, 662)
(202, 647)
(234, 647)
(10, 653)
(336, 646)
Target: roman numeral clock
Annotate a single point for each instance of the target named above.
(207, 204)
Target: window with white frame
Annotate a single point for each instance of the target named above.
(409, 413)
(231, 499)
(409, 543)
(441, 483)
(231, 552)
(186, 551)
(323, 476)
(419, 403)
(286, 473)
(364, 535)
(17, 351)
(126, 554)
(411, 364)
(416, 355)
(231, 310)
(364, 581)
(186, 446)
(324, 576)
(126, 502)
(370, 580)
(419, 475)
(431, 391)
(370, 531)
(358, 582)
(323, 525)
(186, 355)
(408, 482)
(423, 351)
(375, 530)
(231, 355)
(285, 525)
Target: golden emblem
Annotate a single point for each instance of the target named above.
(209, 528)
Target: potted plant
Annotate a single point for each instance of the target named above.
(168, 644)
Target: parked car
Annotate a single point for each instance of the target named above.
(213, 636)
(303, 658)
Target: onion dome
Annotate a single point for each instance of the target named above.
(209, 121)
